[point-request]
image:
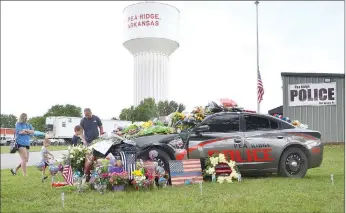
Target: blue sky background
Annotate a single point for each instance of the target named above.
(71, 52)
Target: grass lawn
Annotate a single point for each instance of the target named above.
(314, 193)
(6, 149)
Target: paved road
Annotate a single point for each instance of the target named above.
(12, 160)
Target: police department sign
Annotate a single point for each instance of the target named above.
(312, 94)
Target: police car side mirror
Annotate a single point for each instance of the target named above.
(203, 128)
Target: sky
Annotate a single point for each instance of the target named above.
(72, 52)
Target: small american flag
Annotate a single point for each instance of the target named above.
(129, 162)
(260, 90)
(182, 170)
(67, 174)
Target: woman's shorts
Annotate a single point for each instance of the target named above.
(27, 147)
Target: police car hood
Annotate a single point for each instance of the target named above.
(153, 139)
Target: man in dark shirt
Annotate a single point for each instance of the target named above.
(90, 124)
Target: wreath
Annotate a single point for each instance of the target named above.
(217, 165)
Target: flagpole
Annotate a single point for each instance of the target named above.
(258, 104)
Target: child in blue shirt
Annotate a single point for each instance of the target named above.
(78, 137)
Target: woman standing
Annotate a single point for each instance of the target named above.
(23, 132)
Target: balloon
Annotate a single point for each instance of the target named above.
(40, 165)
(53, 170)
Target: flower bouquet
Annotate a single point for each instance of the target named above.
(199, 113)
(77, 155)
(295, 123)
(140, 180)
(100, 176)
(118, 181)
(101, 182)
(217, 165)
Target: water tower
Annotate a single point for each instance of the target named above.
(151, 35)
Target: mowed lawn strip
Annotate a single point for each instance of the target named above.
(314, 193)
(6, 149)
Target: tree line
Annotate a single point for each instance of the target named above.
(146, 110)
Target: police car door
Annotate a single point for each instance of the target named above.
(262, 139)
(223, 136)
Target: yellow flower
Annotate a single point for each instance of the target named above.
(296, 123)
(137, 173)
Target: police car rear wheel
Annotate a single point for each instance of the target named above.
(293, 163)
(162, 158)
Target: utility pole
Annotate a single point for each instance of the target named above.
(258, 102)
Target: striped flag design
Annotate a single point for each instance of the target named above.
(223, 168)
(67, 174)
(129, 162)
(182, 170)
(260, 90)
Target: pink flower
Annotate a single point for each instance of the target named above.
(104, 175)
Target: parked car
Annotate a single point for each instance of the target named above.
(258, 143)
(5, 141)
(33, 142)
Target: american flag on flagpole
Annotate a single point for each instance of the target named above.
(260, 90)
(67, 173)
(182, 170)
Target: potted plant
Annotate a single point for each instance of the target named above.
(118, 181)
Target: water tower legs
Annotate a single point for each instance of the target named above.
(150, 76)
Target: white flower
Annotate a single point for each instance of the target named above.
(214, 161)
(220, 179)
(234, 174)
(210, 170)
(222, 158)
(228, 179)
(72, 151)
(71, 156)
(69, 147)
(231, 164)
(81, 159)
(78, 161)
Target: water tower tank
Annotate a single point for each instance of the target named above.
(151, 36)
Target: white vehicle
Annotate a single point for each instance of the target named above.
(62, 127)
(5, 140)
